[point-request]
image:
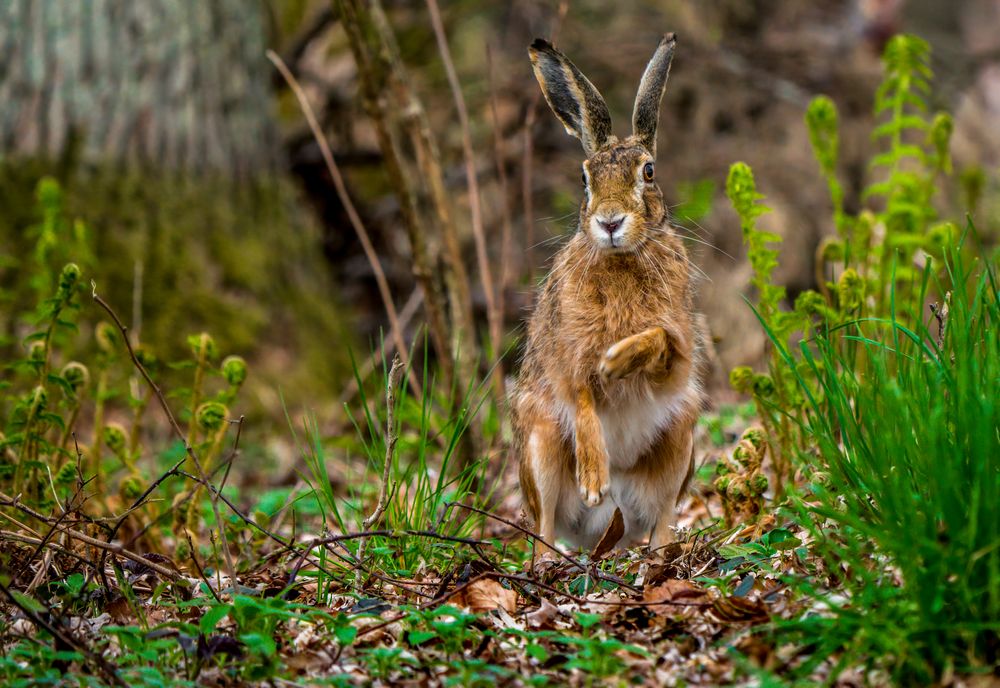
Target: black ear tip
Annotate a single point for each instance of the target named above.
(669, 38)
(540, 44)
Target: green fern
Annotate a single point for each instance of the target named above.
(883, 242)
(742, 192)
(873, 253)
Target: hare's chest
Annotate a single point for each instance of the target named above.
(630, 426)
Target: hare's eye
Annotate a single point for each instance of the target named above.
(583, 178)
(647, 172)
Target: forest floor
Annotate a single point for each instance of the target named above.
(458, 601)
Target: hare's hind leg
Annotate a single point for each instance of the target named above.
(671, 465)
(544, 466)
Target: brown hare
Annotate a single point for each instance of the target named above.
(607, 397)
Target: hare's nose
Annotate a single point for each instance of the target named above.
(609, 225)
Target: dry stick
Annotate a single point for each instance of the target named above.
(390, 104)
(388, 347)
(591, 571)
(103, 666)
(534, 536)
(396, 330)
(506, 245)
(138, 503)
(287, 546)
(230, 568)
(200, 570)
(232, 455)
(391, 436)
(485, 275)
(15, 536)
(94, 542)
(529, 146)
(66, 510)
(175, 471)
(337, 539)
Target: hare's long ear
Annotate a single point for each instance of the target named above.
(571, 96)
(646, 113)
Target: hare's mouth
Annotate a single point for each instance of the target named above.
(612, 232)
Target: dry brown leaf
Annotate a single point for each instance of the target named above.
(486, 595)
(675, 594)
(739, 609)
(543, 616)
(612, 534)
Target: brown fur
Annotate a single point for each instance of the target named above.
(612, 341)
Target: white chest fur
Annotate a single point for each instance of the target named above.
(630, 422)
(630, 425)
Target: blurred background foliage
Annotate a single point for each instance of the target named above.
(206, 200)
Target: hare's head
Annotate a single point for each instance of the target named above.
(622, 202)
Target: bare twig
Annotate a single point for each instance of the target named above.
(392, 107)
(388, 347)
(230, 568)
(527, 191)
(505, 521)
(506, 234)
(86, 539)
(940, 313)
(494, 317)
(200, 570)
(233, 454)
(391, 436)
(15, 536)
(135, 505)
(102, 665)
(352, 213)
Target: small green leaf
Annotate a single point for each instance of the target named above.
(260, 644)
(211, 618)
(419, 637)
(587, 620)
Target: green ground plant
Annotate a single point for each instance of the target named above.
(881, 392)
(873, 262)
(911, 485)
(880, 553)
(74, 409)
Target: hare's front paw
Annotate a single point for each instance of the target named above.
(626, 357)
(593, 478)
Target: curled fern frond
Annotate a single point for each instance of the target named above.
(742, 192)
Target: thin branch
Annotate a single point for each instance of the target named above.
(17, 536)
(527, 191)
(230, 568)
(396, 330)
(506, 241)
(103, 666)
(494, 317)
(93, 542)
(530, 534)
(388, 347)
(397, 112)
(391, 436)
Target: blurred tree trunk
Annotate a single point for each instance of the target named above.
(179, 84)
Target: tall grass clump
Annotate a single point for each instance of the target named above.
(421, 437)
(906, 508)
(881, 406)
